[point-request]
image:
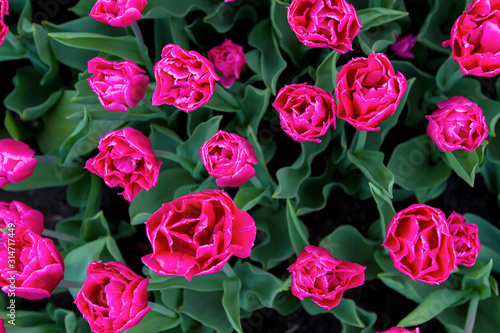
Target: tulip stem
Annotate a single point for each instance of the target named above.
(162, 310)
(70, 284)
(142, 48)
(471, 314)
(229, 271)
(60, 236)
(361, 140)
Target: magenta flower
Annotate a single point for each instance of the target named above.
(229, 158)
(37, 266)
(420, 244)
(113, 298)
(197, 234)
(368, 91)
(118, 13)
(306, 112)
(457, 124)
(16, 161)
(118, 85)
(18, 214)
(403, 46)
(229, 59)
(4, 10)
(401, 330)
(184, 79)
(475, 39)
(324, 23)
(465, 239)
(317, 274)
(126, 159)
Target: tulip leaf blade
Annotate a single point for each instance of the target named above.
(296, 229)
(231, 302)
(371, 163)
(374, 17)
(466, 164)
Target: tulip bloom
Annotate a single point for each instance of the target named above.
(118, 13)
(4, 10)
(18, 214)
(228, 59)
(465, 239)
(16, 161)
(403, 46)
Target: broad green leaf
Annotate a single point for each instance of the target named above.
(377, 39)
(247, 197)
(326, 72)
(347, 311)
(205, 283)
(164, 138)
(45, 53)
(113, 249)
(206, 308)
(42, 98)
(384, 205)
(253, 107)
(373, 17)
(224, 17)
(272, 63)
(488, 236)
(347, 243)
(160, 8)
(276, 246)
(223, 100)
(124, 47)
(148, 202)
(154, 322)
(261, 171)
(231, 302)
(478, 281)
(94, 227)
(290, 178)
(12, 48)
(371, 163)
(415, 164)
(296, 229)
(401, 284)
(448, 74)
(83, 7)
(426, 194)
(466, 164)
(431, 306)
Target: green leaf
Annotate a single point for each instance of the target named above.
(246, 198)
(205, 283)
(384, 205)
(431, 306)
(42, 98)
(253, 107)
(371, 163)
(223, 100)
(296, 229)
(45, 53)
(326, 72)
(401, 284)
(12, 48)
(148, 202)
(272, 63)
(426, 194)
(347, 311)
(224, 17)
(154, 322)
(206, 308)
(478, 281)
(347, 243)
(94, 227)
(416, 166)
(275, 247)
(113, 249)
(448, 74)
(466, 164)
(377, 39)
(290, 178)
(83, 7)
(373, 17)
(160, 8)
(231, 302)
(488, 236)
(124, 47)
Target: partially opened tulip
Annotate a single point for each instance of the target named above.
(420, 244)
(317, 274)
(126, 159)
(118, 85)
(18, 214)
(184, 79)
(475, 39)
(465, 239)
(306, 112)
(118, 13)
(324, 23)
(403, 46)
(229, 158)
(197, 234)
(4, 10)
(16, 161)
(401, 330)
(113, 298)
(458, 123)
(229, 59)
(30, 262)
(368, 91)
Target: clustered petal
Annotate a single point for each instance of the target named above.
(118, 85)
(401, 330)
(465, 239)
(118, 13)
(197, 234)
(126, 159)
(475, 39)
(16, 161)
(403, 46)
(368, 91)
(458, 123)
(306, 112)
(324, 23)
(4, 10)
(113, 298)
(229, 158)
(18, 214)
(229, 59)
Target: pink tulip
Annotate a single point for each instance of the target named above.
(118, 85)
(126, 159)
(317, 274)
(229, 158)
(475, 39)
(368, 91)
(113, 297)
(228, 59)
(465, 239)
(324, 23)
(184, 79)
(197, 234)
(401, 330)
(118, 13)
(18, 214)
(457, 124)
(4, 10)
(306, 112)
(403, 46)
(420, 244)
(16, 161)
